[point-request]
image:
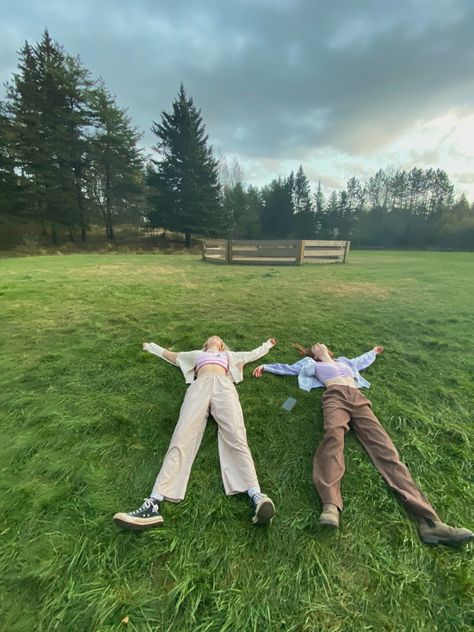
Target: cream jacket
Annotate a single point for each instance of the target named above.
(186, 360)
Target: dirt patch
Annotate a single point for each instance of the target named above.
(125, 271)
(361, 288)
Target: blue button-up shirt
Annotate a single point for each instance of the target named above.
(307, 379)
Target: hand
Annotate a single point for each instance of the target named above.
(378, 350)
(272, 341)
(258, 371)
(145, 346)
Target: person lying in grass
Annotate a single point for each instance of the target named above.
(211, 373)
(344, 403)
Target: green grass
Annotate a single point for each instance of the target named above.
(86, 417)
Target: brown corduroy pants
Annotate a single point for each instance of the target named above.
(344, 404)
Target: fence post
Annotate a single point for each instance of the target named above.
(203, 249)
(300, 252)
(229, 251)
(346, 251)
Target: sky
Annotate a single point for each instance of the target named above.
(343, 87)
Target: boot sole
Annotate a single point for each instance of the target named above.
(136, 524)
(264, 513)
(434, 539)
(329, 523)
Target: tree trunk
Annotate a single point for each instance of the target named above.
(54, 236)
(83, 234)
(71, 236)
(187, 240)
(108, 203)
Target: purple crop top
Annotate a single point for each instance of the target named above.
(325, 371)
(212, 357)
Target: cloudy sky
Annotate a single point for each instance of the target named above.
(341, 86)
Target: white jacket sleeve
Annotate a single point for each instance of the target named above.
(250, 356)
(155, 349)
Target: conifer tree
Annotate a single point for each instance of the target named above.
(9, 181)
(47, 105)
(277, 217)
(186, 181)
(320, 214)
(116, 170)
(305, 219)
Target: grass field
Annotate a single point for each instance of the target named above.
(86, 417)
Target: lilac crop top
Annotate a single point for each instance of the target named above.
(212, 357)
(325, 371)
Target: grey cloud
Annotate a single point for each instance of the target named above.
(273, 79)
(464, 178)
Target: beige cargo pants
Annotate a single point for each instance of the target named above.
(217, 395)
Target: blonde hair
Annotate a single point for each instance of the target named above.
(224, 347)
(307, 351)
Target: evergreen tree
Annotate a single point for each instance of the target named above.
(305, 219)
(186, 183)
(319, 201)
(332, 216)
(47, 105)
(320, 214)
(277, 208)
(115, 175)
(9, 181)
(242, 207)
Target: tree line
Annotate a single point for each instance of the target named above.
(393, 208)
(70, 157)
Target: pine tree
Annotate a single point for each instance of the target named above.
(320, 215)
(186, 182)
(277, 217)
(332, 216)
(242, 207)
(47, 105)
(116, 170)
(9, 181)
(305, 219)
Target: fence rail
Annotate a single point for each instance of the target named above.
(274, 251)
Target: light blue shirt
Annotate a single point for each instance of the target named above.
(307, 379)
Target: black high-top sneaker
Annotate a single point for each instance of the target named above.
(264, 509)
(147, 516)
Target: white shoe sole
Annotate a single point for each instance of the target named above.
(125, 521)
(264, 512)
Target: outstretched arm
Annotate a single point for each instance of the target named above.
(278, 369)
(155, 349)
(363, 361)
(244, 357)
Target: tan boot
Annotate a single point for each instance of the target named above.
(329, 516)
(434, 532)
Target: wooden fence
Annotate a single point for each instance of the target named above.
(275, 252)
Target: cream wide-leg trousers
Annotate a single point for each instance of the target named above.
(215, 394)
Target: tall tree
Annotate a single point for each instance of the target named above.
(305, 219)
(116, 170)
(277, 217)
(47, 105)
(333, 216)
(320, 214)
(230, 171)
(9, 181)
(186, 182)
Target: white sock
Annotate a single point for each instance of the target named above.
(253, 490)
(156, 496)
